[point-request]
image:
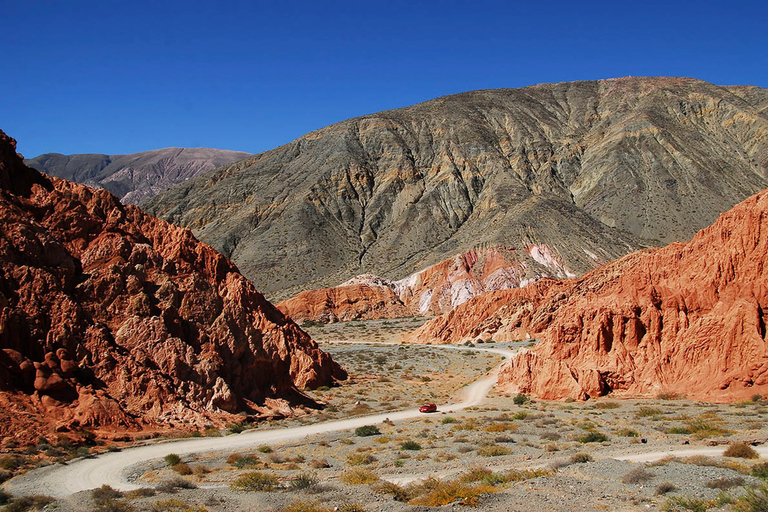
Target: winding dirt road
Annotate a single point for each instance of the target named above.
(114, 468)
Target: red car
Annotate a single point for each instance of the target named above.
(428, 408)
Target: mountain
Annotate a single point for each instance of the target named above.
(591, 170)
(688, 318)
(111, 319)
(138, 176)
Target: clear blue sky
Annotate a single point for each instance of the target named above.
(120, 77)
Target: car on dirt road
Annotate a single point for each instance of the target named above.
(428, 408)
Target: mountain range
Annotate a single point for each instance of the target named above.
(135, 177)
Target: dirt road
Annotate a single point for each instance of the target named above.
(113, 468)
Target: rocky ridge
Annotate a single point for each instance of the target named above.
(135, 177)
(686, 318)
(591, 170)
(113, 319)
(432, 291)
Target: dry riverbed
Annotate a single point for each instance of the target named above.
(507, 454)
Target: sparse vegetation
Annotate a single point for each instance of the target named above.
(742, 451)
(359, 476)
(638, 475)
(174, 505)
(255, 481)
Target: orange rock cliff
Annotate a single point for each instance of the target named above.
(688, 318)
(111, 318)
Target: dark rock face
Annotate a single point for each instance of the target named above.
(686, 319)
(591, 170)
(110, 317)
(138, 176)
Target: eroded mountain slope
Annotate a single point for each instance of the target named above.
(593, 170)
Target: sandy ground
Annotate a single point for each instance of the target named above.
(632, 444)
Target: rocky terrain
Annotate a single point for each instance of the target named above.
(590, 170)
(113, 320)
(432, 291)
(135, 177)
(686, 319)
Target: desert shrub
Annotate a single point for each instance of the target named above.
(105, 493)
(200, 470)
(4, 497)
(725, 483)
(141, 492)
(679, 430)
(755, 499)
(26, 503)
(410, 445)
(520, 415)
(255, 481)
(741, 450)
(493, 450)
(319, 464)
(550, 436)
(627, 432)
(174, 484)
(501, 426)
(668, 396)
(305, 506)
(182, 468)
(236, 428)
(303, 481)
(10, 462)
(706, 425)
(665, 487)
(244, 461)
(5, 475)
(648, 412)
(443, 493)
(174, 505)
(760, 470)
(756, 397)
(593, 437)
(265, 448)
(359, 476)
(678, 503)
(447, 420)
(637, 476)
(360, 459)
(581, 457)
(521, 399)
(367, 430)
(172, 459)
(607, 405)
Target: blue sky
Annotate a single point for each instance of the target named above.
(120, 77)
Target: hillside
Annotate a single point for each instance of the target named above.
(591, 170)
(113, 320)
(135, 177)
(686, 319)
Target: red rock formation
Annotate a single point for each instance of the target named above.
(687, 318)
(110, 317)
(432, 291)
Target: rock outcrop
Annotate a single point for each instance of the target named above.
(432, 291)
(687, 318)
(135, 177)
(591, 170)
(112, 318)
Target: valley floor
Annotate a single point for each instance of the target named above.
(505, 454)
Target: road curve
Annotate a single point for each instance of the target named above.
(113, 468)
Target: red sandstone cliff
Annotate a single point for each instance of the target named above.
(110, 317)
(687, 318)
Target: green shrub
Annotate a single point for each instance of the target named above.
(236, 428)
(410, 445)
(303, 481)
(172, 459)
(627, 432)
(593, 437)
(265, 448)
(755, 499)
(367, 430)
(521, 399)
(255, 481)
(760, 470)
